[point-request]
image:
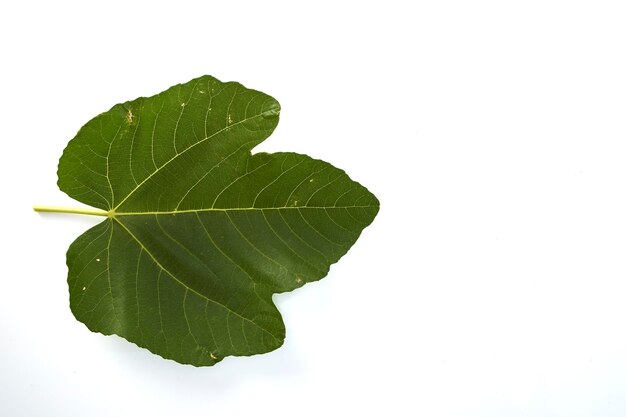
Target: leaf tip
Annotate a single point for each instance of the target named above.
(272, 111)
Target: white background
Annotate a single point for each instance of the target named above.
(491, 283)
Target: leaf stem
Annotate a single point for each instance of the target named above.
(52, 209)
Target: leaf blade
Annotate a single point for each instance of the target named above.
(201, 233)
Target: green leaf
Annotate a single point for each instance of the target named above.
(199, 232)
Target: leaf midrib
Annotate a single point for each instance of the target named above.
(231, 209)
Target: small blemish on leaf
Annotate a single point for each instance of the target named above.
(129, 117)
(97, 259)
(213, 356)
(201, 91)
(230, 119)
(84, 288)
(298, 280)
(311, 180)
(182, 104)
